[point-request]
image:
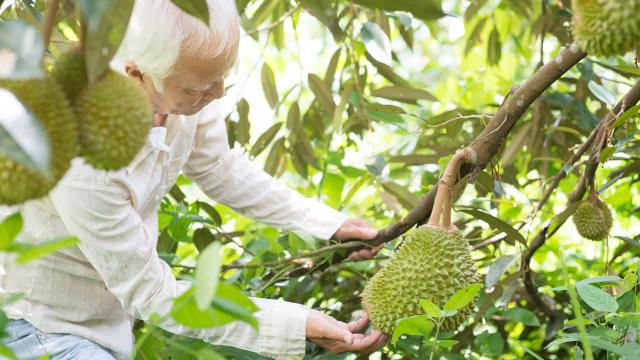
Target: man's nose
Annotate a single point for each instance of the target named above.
(216, 92)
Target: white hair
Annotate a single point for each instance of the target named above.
(158, 32)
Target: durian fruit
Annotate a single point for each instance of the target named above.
(114, 117)
(45, 99)
(432, 263)
(607, 27)
(593, 219)
(71, 73)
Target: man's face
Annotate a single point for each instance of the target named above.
(194, 83)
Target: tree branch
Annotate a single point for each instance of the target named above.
(597, 140)
(487, 144)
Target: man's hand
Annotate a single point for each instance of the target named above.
(355, 229)
(338, 337)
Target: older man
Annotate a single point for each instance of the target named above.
(80, 303)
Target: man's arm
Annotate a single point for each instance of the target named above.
(229, 177)
(121, 249)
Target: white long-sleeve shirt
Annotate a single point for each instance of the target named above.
(97, 288)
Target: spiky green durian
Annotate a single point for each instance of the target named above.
(43, 98)
(432, 263)
(71, 73)
(593, 219)
(114, 117)
(607, 27)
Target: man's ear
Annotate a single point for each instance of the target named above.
(134, 72)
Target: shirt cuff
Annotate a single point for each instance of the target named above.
(321, 220)
(282, 329)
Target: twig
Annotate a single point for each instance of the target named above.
(304, 256)
(49, 21)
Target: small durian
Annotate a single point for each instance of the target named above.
(593, 219)
(45, 99)
(71, 73)
(432, 263)
(607, 27)
(114, 117)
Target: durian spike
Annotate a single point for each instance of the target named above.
(441, 214)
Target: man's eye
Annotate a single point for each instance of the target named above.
(189, 91)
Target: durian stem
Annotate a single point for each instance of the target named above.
(441, 214)
(49, 21)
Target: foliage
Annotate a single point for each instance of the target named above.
(361, 105)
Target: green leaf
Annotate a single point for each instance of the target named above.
(600, 279)
(388, 72)
(631, 112)
(275, 157)
(6, 352)
(577, 353)
(207, 274)
(606, 153)
(430, 308)
(423, 9)
(597, 298)
(28, 252)
(21, 51)
(106, 22)
(496, 224)
(602, 93)
(490, 344)
(494, 47)
(269, 86)
(376, 42)
(9, 230)
(326, 15)
(236, 304)
(265, 139)
(331, 68)
(264, 11)
(462, 297)
(333, 186)
(561, 218)
(630, 281)
(523, 316)
(402, 93)
(211, 211)
(626, 352)
(195, 8)
(322, 93)
(186, 312)
(402, 194)
(498, 268)
(244, 126)
(202, 238)
(414, 325)
(230, 304)
(533, 354)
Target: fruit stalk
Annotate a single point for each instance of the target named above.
(49, 21)
(441, 215)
